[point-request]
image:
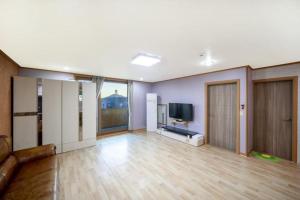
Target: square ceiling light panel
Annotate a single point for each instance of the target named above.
(145, 59)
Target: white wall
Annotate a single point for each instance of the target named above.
(284, 71)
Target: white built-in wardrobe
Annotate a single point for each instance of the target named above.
(67, 117)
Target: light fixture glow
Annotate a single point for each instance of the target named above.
(67, 68)
(208, 62)
(145, 59)
(141, 79)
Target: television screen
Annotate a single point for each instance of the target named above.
(181, 111)
(173, 110)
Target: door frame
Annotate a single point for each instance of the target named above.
(207, 84)
(99, 102)
(294, 80)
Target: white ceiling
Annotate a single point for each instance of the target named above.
(100, 37)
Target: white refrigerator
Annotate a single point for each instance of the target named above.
(151, 112)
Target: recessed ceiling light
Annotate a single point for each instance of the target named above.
(145, 59)
(67, 68)
(141, 79)
(208, 62)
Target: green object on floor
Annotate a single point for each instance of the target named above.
(264, 156)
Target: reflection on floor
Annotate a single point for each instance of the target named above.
(114, 129)
(150, 166)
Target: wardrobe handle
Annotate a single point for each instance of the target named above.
(22, 114)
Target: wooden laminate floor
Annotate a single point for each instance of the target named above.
(150, 166)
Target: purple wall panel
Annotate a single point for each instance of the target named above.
(191, 90)
(140, 90)
(250, 110)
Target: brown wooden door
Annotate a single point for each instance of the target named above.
(222, 115)
(273, 118)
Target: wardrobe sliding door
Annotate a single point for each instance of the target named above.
(68, 111)
(52, 113)
(89, 102)
(70, 115)
(25, 113)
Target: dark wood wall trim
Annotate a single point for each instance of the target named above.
(8, 69)
(9, 59)
(279, 65)
(199, 74)
(247, 111)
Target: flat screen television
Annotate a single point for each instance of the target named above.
(181, 111)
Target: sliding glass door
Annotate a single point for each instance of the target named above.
(113, 108)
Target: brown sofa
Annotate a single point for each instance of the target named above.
(28, 174)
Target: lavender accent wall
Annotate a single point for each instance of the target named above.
(191, 90)
(140, 89)
(284, 71)
(250, 110)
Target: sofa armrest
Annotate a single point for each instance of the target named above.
(35, 153)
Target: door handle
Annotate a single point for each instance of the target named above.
(287, 120)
